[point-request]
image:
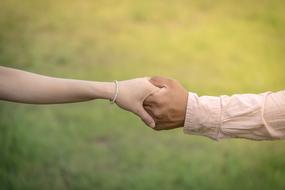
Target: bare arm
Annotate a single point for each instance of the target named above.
(26, 87)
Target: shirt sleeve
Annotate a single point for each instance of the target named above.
(250, 116)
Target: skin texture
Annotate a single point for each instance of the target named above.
(25, 87)
(167, 106)
(132, 94)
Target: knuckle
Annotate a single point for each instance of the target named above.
(157, 128)
(155, 78)
(172, 82)
(157, 114)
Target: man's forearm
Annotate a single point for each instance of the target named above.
(252, 116)
(25, 87)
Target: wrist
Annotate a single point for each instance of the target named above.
(103, 90)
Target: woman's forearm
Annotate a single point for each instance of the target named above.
(25, 87)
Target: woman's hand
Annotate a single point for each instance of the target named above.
(26, 87)
(132, 94)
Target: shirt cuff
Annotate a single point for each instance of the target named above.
(203, 116)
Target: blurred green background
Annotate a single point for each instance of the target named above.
(212, 47)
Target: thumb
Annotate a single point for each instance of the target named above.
(146, 118)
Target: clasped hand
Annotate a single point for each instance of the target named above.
(160, 102)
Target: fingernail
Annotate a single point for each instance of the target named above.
(152, 124)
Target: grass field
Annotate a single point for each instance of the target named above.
(213, 48)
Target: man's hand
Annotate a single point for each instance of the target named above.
(168, 105)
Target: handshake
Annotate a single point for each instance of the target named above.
(160, 102)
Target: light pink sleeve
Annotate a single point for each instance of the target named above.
(251, 116)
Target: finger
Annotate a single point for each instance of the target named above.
(150, 90)
(163, 126)
(158, 81)
(146, 118)
(151, 100)
(154, 99)
(149, 110)
(147, 103)
(154, 113)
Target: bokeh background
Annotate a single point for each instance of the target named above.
(212, 47)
